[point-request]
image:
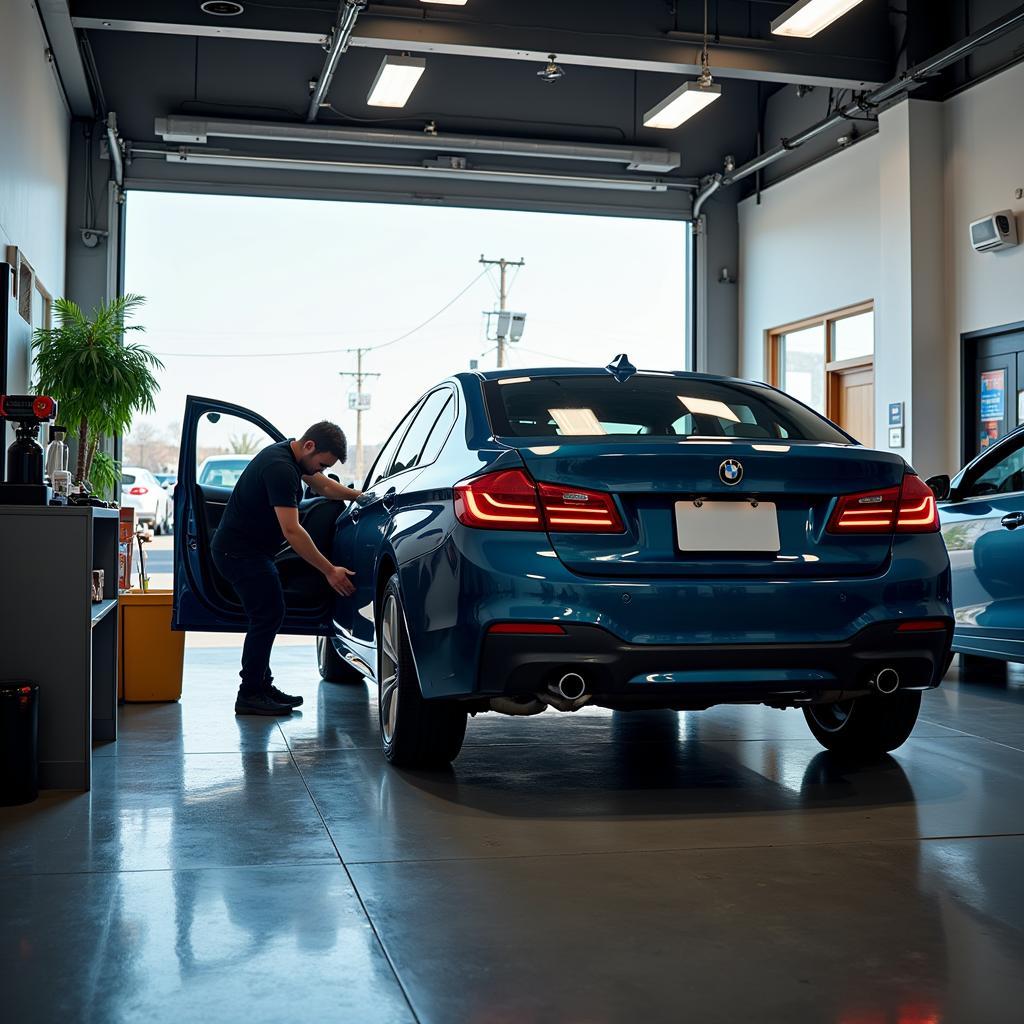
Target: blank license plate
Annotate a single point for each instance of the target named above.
(729, 526)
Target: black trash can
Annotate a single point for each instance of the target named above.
(19, 742)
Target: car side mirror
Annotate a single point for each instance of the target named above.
(940, 486)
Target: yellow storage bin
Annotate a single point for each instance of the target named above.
(152, 654)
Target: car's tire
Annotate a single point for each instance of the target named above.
(333, 667)
(865, 726)
(414, 732)
(977, 667)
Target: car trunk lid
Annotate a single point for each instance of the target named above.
(668, 492)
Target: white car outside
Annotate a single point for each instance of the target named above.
(141, 490)
(222, 470)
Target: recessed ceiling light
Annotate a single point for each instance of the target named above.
(221, 8)
(808, 17)
(395, 81)
(447, 3)
(689, 99)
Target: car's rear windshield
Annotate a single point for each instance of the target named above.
(649, 405)
(127, 478)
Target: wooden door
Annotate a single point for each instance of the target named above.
(853, 401)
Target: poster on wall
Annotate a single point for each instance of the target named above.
(992, 399)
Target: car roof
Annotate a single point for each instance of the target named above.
(595, 371)
(228, 457)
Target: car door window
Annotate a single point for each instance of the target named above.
(225, 445)
(1005, 476)
(439, 433)
(411, 448)
(382, 467)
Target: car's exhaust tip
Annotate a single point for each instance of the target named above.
(887, 681)
(571, 686)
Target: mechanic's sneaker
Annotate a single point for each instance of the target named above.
(284, 698)
(260, 704)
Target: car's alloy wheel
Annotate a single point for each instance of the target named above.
(868, 725)
(389, 668)
(414, 732)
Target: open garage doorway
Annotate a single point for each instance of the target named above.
(277, 304)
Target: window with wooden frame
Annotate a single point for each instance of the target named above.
(827, 362)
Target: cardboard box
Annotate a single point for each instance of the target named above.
(126, 540)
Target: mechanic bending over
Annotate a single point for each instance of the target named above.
(262, 513)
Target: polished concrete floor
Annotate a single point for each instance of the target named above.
(711, 867)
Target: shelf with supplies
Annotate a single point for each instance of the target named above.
(54, 634)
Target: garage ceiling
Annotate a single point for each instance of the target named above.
(167, 58)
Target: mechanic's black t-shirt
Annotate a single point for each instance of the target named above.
(272, 480)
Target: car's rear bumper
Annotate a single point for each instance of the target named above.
(478, 578)
(621, 674)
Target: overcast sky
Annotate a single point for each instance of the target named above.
(238, 287)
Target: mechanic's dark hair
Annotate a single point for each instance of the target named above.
(328, 437)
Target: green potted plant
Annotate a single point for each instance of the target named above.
(99, 380)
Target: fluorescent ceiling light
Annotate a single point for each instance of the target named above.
(577, 422)
(808, 17)
(395, 81)
(708, 407)
(680, 106)
(448, 3)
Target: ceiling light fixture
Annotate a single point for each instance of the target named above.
(446, 3)
(221, 8)
(689, 99)
(395, 81)
(808, 17)
(551, 72)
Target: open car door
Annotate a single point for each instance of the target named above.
(218, 439)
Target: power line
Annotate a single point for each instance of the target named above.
(327, 351)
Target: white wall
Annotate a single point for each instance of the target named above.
(810, 247)
(984, 156)
(887, 220)
(34, 132)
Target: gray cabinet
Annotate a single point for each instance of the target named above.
(51, 633)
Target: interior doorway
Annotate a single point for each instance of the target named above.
(993, 386)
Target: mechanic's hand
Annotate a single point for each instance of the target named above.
(338, 577)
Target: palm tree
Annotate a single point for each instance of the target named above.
(244, 443)
(99, 380)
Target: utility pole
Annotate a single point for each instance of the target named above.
(360, 408)
(503, 264)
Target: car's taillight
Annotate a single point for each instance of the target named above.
(139, 490)
(506, 500)
(510, 500)
(918, 512)
(573, 510)
(907, 509)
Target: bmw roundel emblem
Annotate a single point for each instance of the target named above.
(731, 472)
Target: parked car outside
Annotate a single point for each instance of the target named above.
(167, 481)
(541, 538)
(981, 511)
(223, 470)
(153, 505)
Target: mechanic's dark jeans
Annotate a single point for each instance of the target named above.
(258, 586)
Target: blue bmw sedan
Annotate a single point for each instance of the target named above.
(547, 539)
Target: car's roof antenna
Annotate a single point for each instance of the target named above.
(621, 368)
